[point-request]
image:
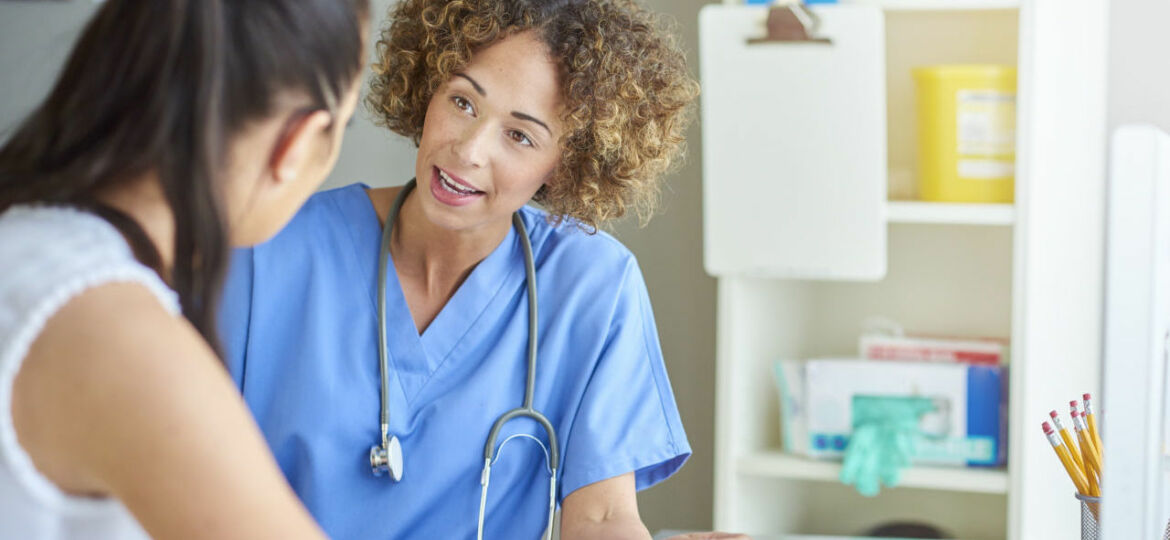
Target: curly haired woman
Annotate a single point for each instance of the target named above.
(579, 106)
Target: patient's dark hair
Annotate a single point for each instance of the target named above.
(161, 86)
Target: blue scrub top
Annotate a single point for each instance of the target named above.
(299, 325)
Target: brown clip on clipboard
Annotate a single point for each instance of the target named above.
(792, 23)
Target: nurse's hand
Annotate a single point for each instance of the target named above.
(710, 536)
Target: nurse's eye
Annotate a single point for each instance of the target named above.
(520, 138)
(463, 104)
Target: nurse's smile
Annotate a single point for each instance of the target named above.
(452, 190)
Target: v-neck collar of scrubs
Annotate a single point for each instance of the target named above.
(413, 357)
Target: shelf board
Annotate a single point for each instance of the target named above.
(939, 5)
(950, 213)
(777, 464)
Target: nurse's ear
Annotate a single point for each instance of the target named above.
(300, 150)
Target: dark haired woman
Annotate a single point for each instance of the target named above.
(177, 128)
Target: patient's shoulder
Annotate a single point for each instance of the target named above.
(110, 350)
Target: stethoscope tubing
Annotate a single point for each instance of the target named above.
(527, 410)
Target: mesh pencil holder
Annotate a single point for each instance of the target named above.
(1090, 512)
(1090, 518)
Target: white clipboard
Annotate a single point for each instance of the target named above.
(794, 146)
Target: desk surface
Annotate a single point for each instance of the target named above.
(667, 533)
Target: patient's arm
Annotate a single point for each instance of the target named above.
(117, 397)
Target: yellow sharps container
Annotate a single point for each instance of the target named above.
(966, 133)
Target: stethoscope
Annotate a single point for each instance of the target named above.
(387, 458)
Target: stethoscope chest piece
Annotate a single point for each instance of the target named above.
(387, 458)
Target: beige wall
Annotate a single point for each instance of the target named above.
(670, 250)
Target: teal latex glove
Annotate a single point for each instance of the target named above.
(882, 442)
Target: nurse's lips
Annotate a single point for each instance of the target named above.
(452, 190)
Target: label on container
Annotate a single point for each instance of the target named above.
(986, 123)
(972, 449)
(980, 169)
(975, 449)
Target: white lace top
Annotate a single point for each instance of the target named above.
(47, 256)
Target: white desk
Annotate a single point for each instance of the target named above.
(667, 533)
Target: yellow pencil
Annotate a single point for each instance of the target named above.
(1078, 478)
(1068, 440)
(1092, 468)
(1092, 457)
(1094, 485)
(1092, 421)
(1092, 464)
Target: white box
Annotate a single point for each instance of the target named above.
(967, 428)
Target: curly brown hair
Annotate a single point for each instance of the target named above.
(624, 83)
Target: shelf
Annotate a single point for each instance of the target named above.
(777, 464)
(950, 213)
(939, 5)
(924, 5)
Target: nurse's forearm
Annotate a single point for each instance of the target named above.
(603, 510)
(623, 528)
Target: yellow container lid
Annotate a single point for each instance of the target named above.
(951, 71)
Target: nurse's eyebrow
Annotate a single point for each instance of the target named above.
(523, 116)
(478, 88)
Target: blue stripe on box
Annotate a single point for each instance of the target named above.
(984, 392)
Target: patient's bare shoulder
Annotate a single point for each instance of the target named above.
(119, 397)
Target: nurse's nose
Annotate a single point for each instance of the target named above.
(473, 145)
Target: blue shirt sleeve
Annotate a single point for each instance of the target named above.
(628, 419)
(235, 313)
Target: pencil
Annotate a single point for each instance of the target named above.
(1078, 478)
(1068, 440)
(1092, 421)
(1092, 458)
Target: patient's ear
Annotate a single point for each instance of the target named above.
(302, 147)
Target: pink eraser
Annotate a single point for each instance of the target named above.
(1086, 396)
(1047, 428)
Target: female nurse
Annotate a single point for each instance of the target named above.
(577, 105)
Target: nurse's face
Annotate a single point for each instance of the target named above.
(490, 138)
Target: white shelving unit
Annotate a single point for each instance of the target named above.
(950, 213)
(777, 464)
(1028, 271)
(938, 5)
(926, 5)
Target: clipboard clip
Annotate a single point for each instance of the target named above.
(791, 23)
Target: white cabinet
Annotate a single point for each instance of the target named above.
(1030, 271)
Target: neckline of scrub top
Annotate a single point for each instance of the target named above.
(416, 357)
